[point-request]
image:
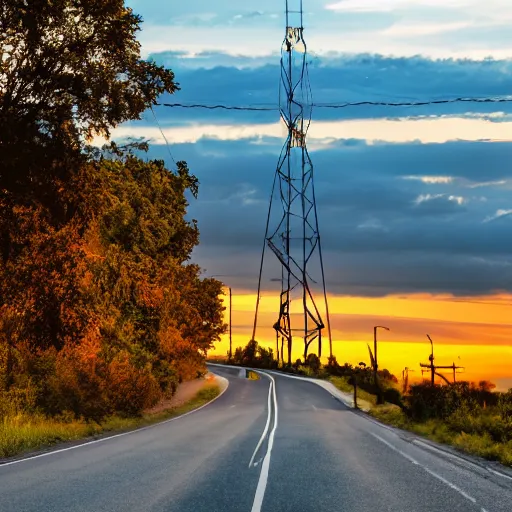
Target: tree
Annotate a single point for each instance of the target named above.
(265, 357)
(250, 353)
(486, 386)
(101, 310)
(70, 70)
(254, 355)
(110, 293)
(313, 362)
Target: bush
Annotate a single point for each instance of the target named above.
(255, 356)
(130, 390)
(393, 396)
(313, 363)
(17, 401)
(426, 401)
(505, 406)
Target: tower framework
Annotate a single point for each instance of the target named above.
(292, 231)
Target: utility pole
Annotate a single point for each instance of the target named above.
(230, 354)
(453, 367)
(292, 231)
(405, 379)
(355, 375)
(230, 325)
(433, 368)
(431, 359)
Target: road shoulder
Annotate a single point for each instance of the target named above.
(212, 389)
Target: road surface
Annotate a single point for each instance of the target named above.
(231, 456)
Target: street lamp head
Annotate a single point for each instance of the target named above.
(382, 327)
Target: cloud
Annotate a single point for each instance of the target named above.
(488, 184)
(498, 215)
(404, 5)
(430, 179)
(425, 29)
(253, 81)
(248, 15)
(378, 5)
(376, 241)
(427, 197)
(358, 26)
(371, 163)
(457, 199)
(439, 204)
(372, 224)
(430, 130)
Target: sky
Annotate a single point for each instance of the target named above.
(414, 203)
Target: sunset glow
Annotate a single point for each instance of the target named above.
(474, 329)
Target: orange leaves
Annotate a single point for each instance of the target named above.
(170, 343)
(184, 357)
(130, 389)
(150, 295)
(77, 384)
(105, 290)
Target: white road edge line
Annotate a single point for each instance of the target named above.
(103, 439)
(499, 474)
(459, 460)
(429, 471)
(262, 482)
(367, 418)
(266, 426)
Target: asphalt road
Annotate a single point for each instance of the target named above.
(232, 456)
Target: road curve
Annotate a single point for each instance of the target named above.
(318, 457)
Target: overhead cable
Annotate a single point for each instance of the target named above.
(507, 99)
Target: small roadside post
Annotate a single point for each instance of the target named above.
(362, 366)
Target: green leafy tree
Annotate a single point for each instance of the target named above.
(70, 69)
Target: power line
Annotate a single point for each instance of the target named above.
(344, 105)
(415, 103)
(164, 137)
(217, 107)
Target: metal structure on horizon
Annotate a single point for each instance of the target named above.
(292, 232)
(432, 368)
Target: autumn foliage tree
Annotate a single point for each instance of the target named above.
(101, 310)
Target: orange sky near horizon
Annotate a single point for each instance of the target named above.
(476, 329)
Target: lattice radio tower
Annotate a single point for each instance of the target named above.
(292, 224)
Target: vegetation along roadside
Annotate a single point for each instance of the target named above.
(22, 433)
(102, 313)
(472, 417)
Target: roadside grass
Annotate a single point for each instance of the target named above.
(22, 432)
(470, 437)
(342, 384)
(252, 375)
(485, 433)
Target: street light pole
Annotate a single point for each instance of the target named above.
(431, 358)
(230, 325)
(230, 355)
(376, 365)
